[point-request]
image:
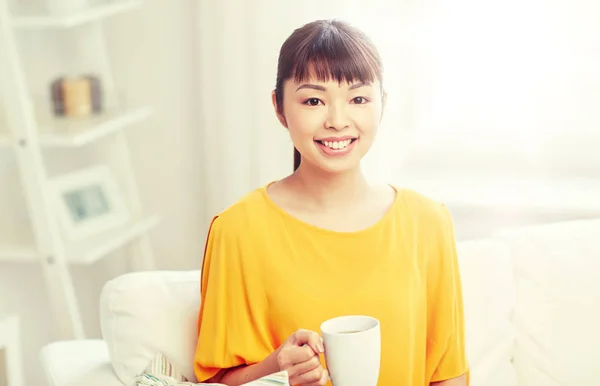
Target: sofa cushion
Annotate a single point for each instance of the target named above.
(489, 301)
(146, 313)
(78, 362)
(558, 293)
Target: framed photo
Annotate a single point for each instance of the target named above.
(89, 201)
(11, 361)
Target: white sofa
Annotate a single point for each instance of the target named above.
(532, 304)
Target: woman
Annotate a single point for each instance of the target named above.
(325, 242)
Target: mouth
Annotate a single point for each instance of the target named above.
(336, 144)
(336, 147)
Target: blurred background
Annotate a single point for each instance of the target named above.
(125, 125)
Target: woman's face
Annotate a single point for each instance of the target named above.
(332, 124)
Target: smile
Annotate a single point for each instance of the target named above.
(337, 144)
(336, 147)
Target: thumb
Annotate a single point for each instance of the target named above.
(310, 338)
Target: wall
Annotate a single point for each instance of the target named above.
(153, 58)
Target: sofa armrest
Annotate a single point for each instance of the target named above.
(76, 363)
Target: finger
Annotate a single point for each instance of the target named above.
(295, 355)
(306, 366)
(321, 382)
(311, 338)
(311, 377)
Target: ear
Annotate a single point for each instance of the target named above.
(279, 114)
(383, 102)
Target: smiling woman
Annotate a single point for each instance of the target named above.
(356, 247)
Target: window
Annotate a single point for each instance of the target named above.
(506, 91)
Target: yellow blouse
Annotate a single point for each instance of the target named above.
(266, 274)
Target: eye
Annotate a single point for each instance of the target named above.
(312, 102)
(360, 100)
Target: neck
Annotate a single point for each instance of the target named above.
(327, 190)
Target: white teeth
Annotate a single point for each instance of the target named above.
(336, 145)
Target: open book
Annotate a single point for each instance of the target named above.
(161, 372)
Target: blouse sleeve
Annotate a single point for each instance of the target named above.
(232, 328)
(446, 356)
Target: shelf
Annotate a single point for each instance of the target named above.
(93, 13)
(92, 249)
(75, 132)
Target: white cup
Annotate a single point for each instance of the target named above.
(352, 350)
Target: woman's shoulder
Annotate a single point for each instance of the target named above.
(241, 214)
(429, 220)
(423, 208)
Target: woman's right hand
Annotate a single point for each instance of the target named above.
(299, 356)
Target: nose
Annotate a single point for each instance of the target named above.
(337, 118)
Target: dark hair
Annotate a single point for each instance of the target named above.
(328, 50)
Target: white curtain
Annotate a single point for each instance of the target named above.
(501, 90)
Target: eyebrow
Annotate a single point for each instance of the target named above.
(321, 88)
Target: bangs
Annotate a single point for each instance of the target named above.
(335, 53)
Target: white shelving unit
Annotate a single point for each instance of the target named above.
(92, 14)
(29, 136)
(81, 132)
(90, 250)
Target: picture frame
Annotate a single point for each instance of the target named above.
(88, 202)
(11, 367)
